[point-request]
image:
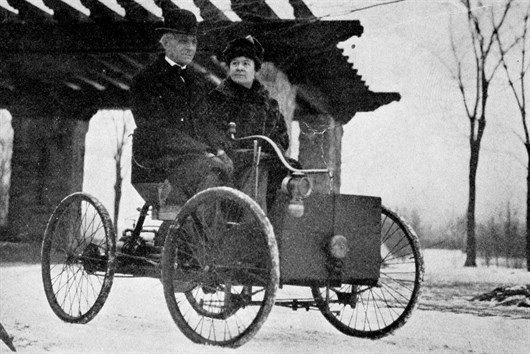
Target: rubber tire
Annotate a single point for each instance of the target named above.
(169, 259)
(69, 307)
(345, 326)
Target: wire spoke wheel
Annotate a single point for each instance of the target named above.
(220, 268)
(375, 311)
(78, 258)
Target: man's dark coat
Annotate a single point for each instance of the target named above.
(163, 105)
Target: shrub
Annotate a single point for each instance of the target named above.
(501, 239)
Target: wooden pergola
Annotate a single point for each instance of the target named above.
(61, 63)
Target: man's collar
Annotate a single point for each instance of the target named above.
(172, 63)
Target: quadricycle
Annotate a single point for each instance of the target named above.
(224, 257)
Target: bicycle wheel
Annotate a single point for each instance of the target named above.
(375, 311)
(78, 258)
(220, 268)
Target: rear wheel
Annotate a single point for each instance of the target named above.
(78, 258)
(220, 268)
(375, 311)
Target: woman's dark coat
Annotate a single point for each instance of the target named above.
(163, 107)
(253, 111)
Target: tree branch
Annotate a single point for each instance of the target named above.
(496, 27)
(520, 96)
(458, 74)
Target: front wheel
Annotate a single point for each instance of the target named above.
(78, 258)
(220, 268)
(375, 311)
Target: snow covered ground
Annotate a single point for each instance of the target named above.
(135, 318)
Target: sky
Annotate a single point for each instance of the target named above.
(413, 153)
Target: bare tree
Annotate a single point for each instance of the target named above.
(483, 23)
(121, 133)
(517, 79)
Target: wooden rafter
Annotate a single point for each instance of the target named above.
(106, 62)
(137, 13)
(94, 58)
(255, 10)
(101, 13)
(209, 12)
(29, 12)
(301, 10)
(64, 13)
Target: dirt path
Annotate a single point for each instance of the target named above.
(135, 319)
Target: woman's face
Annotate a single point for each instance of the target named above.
(242, 71)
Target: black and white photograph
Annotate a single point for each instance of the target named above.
(265, 176)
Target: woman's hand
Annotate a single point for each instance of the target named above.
(222, 162)
(221, 154)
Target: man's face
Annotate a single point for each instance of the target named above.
(180, 48)
(242, 71)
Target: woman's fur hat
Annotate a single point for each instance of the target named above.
(244, 47)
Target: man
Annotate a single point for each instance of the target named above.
(164, 96)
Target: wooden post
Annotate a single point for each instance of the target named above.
(320, 139)
(48, 161)
(320, 147)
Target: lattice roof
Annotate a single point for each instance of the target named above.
(85, 52)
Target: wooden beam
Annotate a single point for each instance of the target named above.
(72, 93)
(301, 10)
(7, 15)
(255, 10)
(345, 91)
(72, 85)
(91, 82)
(116, 83)
(130, 37)
(102, 68)
(166, 5)
(29, 12)
(64, 13)
(101, 13)
(101, 37)
(284, 40)
(210, 12)
(105, 61)
(94, 62)
(136, 13)
(132, 61)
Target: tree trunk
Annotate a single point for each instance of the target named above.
(528, 210)
(117, 194)
(474, 145)
(471, 247)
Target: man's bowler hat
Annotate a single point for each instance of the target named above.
(179, 21)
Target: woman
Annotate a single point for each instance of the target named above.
(242, 99)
